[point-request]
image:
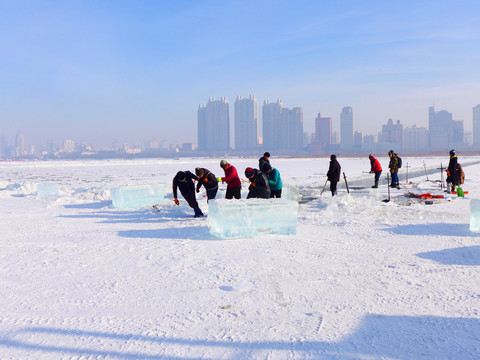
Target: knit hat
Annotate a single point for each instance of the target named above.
(249, 172)
(223, 164)
(452, 152)
(199, 171)
(333, 156)
(266, 168)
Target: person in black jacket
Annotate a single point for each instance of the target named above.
(259, 187)
(333, 174)
(452, 178)
(208, 180)
(184, 181)
(265, 159)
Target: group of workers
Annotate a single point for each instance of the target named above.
(265, 182)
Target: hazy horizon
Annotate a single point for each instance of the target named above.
(129, 71)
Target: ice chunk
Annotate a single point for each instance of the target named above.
(475, 215)
(47, 189)
(137, 196)
(252, 217)
(290, 192)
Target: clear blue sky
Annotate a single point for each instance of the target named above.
(101, 71)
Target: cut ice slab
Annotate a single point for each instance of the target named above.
(47, 189)
(137, 196)
(290, 192)
(475, 215)
(252, 217)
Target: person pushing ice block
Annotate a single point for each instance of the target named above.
(137, 196)
(47, 189)
(252, 217)
(475, 215)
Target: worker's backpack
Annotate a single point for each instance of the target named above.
(399, 161)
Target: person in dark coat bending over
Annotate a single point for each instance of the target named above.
(208, 180)
(259, 187)
(333, 174)
(184, 181)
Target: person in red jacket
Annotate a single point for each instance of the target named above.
(375, 168)
(234, 185)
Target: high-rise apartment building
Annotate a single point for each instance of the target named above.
(415, 140)
(246, 124)
(68, 146)
(282, 127)
(476, 127)
(20, 144)
(346, 129)
(444, 132)
(323, 131)
(292, 137)
(272, 127)
(214, 126)
(392, 134)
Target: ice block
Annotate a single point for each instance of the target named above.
(475, 215)
(290, 192)
(252, 217)
(137, 196)
(47, 189)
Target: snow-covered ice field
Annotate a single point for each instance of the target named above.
(361, 279)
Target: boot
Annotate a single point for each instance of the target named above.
(198, 212)
(376, 184)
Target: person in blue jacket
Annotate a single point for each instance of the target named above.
(274, 180)
(184, 181)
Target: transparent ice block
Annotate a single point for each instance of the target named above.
(252, 217)
(47, 189)
(475, 215)
(137, 196)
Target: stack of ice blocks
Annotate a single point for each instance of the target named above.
(137, 196)
(252, 217)
(475, 215)
(47, 189)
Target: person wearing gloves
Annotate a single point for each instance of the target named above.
(234, 185)
(184, 181)
(393, 166)
(259, 187)
(208, 180)
(375, 168)
(274, 180)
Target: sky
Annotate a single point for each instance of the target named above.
(104, 71)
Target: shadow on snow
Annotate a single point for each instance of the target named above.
(438, 229)
(466, 255)
(378, 336)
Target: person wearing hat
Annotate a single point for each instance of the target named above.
(333, 174)
(184, 181)
(274, 180)
(265, 159)
(234, 185)
(208, 180)
(393, 166)
(259, 187)
(452, 178)
(375, 168)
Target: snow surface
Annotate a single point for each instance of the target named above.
(361, 279)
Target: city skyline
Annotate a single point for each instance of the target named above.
(105, 72)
